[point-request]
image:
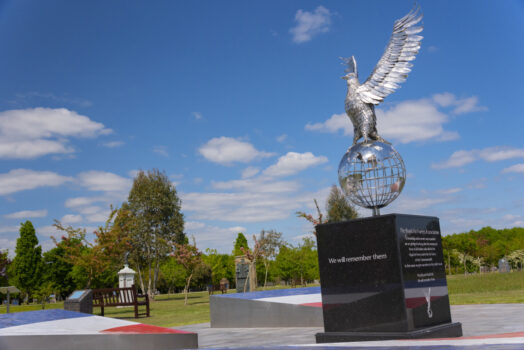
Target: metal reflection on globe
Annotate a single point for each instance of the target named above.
(372, 174)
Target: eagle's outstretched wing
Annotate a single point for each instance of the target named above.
(394, 65)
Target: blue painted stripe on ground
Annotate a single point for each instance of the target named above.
(272, 293)
(28, 317)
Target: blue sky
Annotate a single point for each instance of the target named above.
(242, 105)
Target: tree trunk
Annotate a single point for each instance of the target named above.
(266, 264)
(141, 279)
(155, 274)
(187, 288)
(149, 291)
(252, 276)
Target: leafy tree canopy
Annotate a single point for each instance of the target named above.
(27, 264)
(240, 242)
(338, 207)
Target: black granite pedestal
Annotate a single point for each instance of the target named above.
(383, 278)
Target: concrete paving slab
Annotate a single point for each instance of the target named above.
(477, 320)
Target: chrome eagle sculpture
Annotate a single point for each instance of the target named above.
(391, 70)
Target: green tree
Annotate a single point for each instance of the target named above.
(516, 259)
(156, 223)
(4, 267)
(172, 275)
(58, 271)
(270, 242)
(94, 263)
(222, 265)
(240, 242)
(190, 258)
(27, 265)
(298, 264)
(338, 207)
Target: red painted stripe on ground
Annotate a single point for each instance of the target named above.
(143, 329)
(319, 304)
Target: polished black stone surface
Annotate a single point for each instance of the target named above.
(382, 274)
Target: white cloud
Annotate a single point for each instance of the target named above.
(444, 99)
(162, 150)
(113, 144)
(461, 106)
(257, 185)
(219, 238)
(489, 154)
(8, 244)
(310, 24)
(293, 162)
(407, 204)
(96, 209)
(517, 168)
(48, 231)
(412, 121)
(335, 123)
(450, 190)
(432, 49)
(225, 150)
(282, 138)
(26, 214)
(250, 172)
(197, 180)
(197, 115)
(100, 217)
(31, 133)
(71, 219)
(457, 159)
(82, 201)
(243, 206)
(24, 179)
(408, 121)
(257, 198)
(90, 210)
(9, 229)
(104, 181)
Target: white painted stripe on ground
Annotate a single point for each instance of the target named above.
(420, 343)
(80, 325)
(294, 299)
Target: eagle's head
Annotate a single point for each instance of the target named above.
(351, 69)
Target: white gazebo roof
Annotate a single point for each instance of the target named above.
(126, 270)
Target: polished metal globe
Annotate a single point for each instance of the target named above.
(372, 174)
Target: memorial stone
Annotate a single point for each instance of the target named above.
(395, 289)
(242, 274)
(80, 301)
(381, 277)
(504, 265)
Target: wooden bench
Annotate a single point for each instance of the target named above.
(120, 297)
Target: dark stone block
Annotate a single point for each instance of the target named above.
(447, 330)
(385, 275)
(80, 301)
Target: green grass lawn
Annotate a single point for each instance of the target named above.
(489, 288)
(169, 310)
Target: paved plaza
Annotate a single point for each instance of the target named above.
(477, 320)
